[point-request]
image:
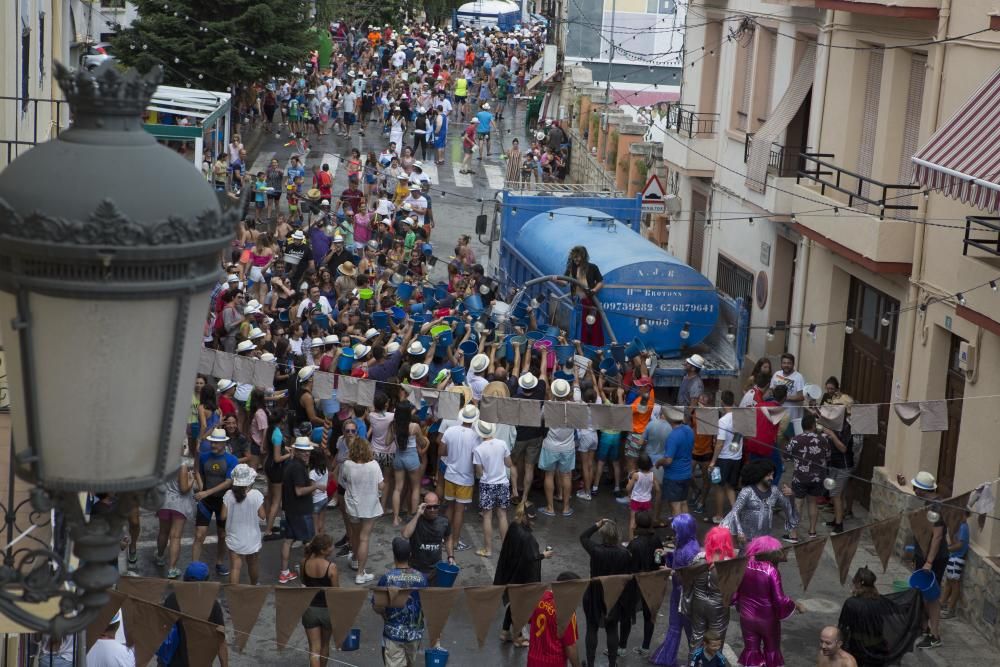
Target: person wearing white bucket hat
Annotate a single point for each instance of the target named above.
(691, 384)
(491, 459)
(456, 448)
(476, 377)
(243, 510)
(558, 455)
(296, 503)
(212, 476)
(305, 404)
(528, 441)
(935, 558)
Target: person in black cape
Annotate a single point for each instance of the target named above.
(520, 562)
(879, 629)
(607, 557)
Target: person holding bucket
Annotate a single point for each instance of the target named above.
(404, 625)
(933, 562)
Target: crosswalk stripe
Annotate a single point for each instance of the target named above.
(495, 176)
(432, 172)
(461, 180)
(261, 163)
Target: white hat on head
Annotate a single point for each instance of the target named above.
(256, 333)
(245, 346)
(361, 351)
(469, 414)
(218, 435)
(267, 356)
(252, 308)
(232, 278)
(561, 388)
(298, 235)
(527, 381)
(479, 363)
(325, 202)
(419, 371)
(224, 385)
(924, 481)
(485, 429)
(416, 348)
(392, 347)
(316, 342)
(696, 360)
(486, 105)
(306, 372)
(303, 443)
(243, 475)
(371, 333)
(330, 339)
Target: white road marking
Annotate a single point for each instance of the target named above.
(185, 542)
(432, 172)
(461, 180)
(495, 176)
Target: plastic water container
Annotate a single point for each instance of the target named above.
(618, 353)
(469, 348)
(925, 582)
(457, 374)
(435, 657)
(534, 335)
(634, 348)
(716, 475)
(609, 366)
(510, 342)
(404, 292)
(398, 314)
(380, 320)
(441, 291)
(591, 352)
(564, 353)
(446, 574)
(416, 307)
(346, 361)
(474, 304)
(353, 641)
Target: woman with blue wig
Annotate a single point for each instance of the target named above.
(687, 548)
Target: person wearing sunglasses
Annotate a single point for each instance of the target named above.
(427, 532)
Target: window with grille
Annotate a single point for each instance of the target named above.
(734, 281)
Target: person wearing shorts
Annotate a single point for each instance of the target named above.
(586, 447)
(557, 463)
(213, 475)
(406, 459)
(634, 446)
(608, 451)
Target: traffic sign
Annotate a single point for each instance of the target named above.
(652, 196)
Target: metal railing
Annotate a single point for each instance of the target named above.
(785, 161)
(858, 188)
(32, 124)
(990, 243)
(691, 123)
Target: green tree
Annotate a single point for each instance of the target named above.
(217, 43)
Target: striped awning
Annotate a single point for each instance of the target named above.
(962, 159)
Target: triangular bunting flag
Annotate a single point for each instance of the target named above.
(195, 598)
(884, 538)
(729, 576)
(390, 597)
(245, 603)
(613, 585)
(289, 605)
(143, 588)
(845, 545)
(922, 528)
(436, 604)
(104, 616)
(567, 595)
(146, 626)
(653, 586)
(807, 555)
(691, 573)
(953, 511)
(483, 602)
(523, 600)
(344, 605)
(204, 640)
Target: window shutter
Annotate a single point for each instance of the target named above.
(869, 121)
(911, 124)
(743, 117)
(772, 57)
(696, 244)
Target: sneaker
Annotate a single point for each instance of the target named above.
(593, 490)
(929, 641)
(789, 539)
(583, 495)
(618, 493)
(837, 529)
(698, 508)
(133, 557)
(638, 650)
(947, 613)
(287, 576)
(344, 550)
(462, 546)
(363, 578)
(354, 563)
(221, 570)
(159, 560)
(173, 573)
(622, 499)
(341, 542)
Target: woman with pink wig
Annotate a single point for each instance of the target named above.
(762, 604)
(702, 602)
(686, 540)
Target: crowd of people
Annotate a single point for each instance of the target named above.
(342, 284)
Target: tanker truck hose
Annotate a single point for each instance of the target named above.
(577, 283)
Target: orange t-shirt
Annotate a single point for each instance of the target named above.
(641, 419)
(703, 444)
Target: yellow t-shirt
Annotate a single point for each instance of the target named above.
(461, 87)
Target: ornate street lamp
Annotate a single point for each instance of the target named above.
(109, 249)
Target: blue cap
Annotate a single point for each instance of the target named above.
(196, 571)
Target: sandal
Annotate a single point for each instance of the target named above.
(520, 642)
(483, 552)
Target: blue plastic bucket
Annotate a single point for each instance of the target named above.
(618, 353)
(441, 291)
(510, 342)
(283, 316)
(428, 249)
(469, 348)
(457, 374)
(421, 318)
(416, 308)
(564, 353)
(353, 641)
(473, 303)
(552, 331)
(398, 314)
(346, 361)
(426, 340)
(520, 311)
(925, 582)
(322, 320)
(609, 366)
(380, 320)
(591, 352)
(445, 338)
(446, 574)
(435, 657)
(534, 335)
(634, 348)
(404, 291)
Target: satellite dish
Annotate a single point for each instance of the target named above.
(673, 203)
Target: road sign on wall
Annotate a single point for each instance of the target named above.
(653, 196)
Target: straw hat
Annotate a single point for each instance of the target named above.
(347, 268)
(224, 385)
(267, 356)
(218, 435)
(462, 389)
(479, 363)
(316, 342)
(330, 339)
(361, 351)
(243, 475)
(419, 371)
(695, 360)
(674, 414)
(416, 348)
(305, 373)
(496, 388)
(245, 346)
(303, 443)
(256, 333)
(313, 193)
(371, 333)
(485, 430)
(924, 481)
(253, 306)
(527, 381)
(561, 388)
(392, 347)
(469, 414)
(298, 235)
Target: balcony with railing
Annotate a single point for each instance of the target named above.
(690, 139)
(858, 213)
(902, 9)
(782, 161)
(25, 122)
(982, 238)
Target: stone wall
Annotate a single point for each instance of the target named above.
(980, 582)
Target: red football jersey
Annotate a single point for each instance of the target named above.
(546, 647)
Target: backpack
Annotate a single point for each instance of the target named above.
(168, 649)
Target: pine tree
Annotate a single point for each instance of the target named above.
(215, 44)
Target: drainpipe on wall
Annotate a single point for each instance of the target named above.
(799, 305)
(917, 272)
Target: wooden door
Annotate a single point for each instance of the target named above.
(696, 241)
(869, 354)
(954, 392)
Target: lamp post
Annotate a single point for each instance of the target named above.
(109, 248)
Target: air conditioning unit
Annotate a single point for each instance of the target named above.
(673, 204)
(967, 356)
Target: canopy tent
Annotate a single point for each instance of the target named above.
(206, 108)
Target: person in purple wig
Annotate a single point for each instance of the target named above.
(686, 538)
(762, 604)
